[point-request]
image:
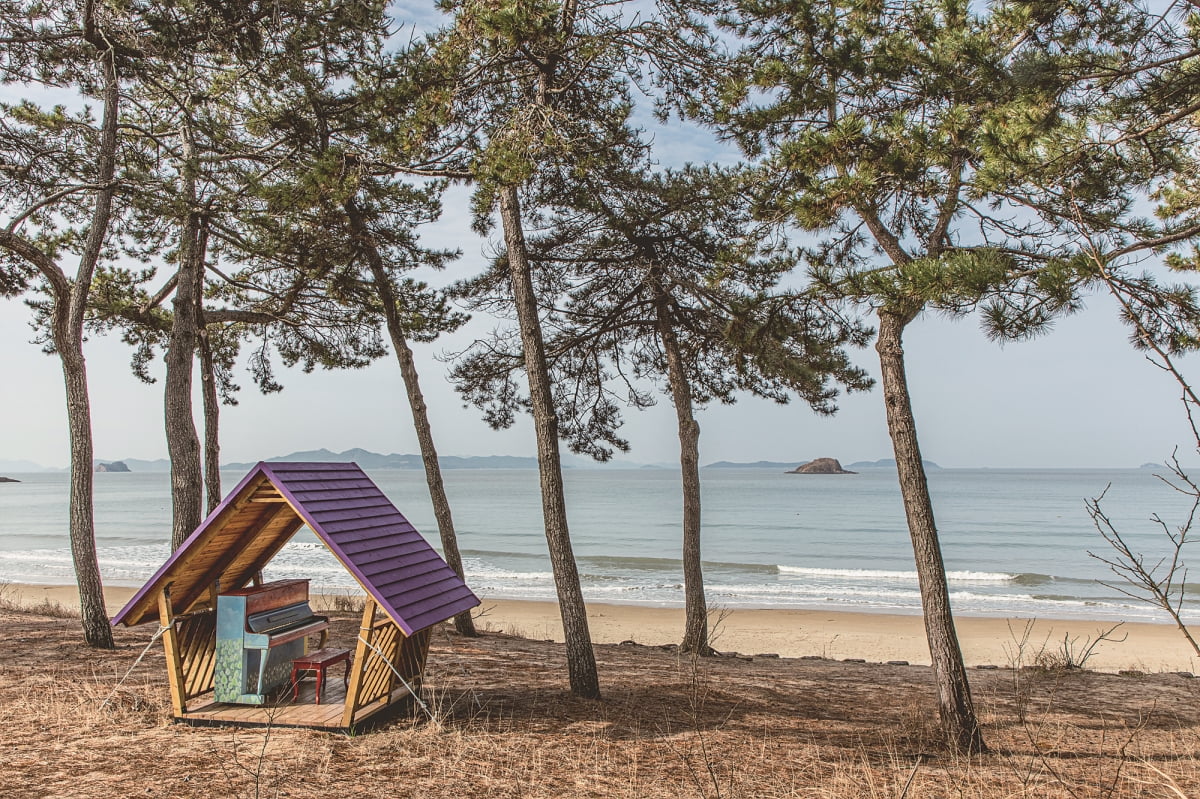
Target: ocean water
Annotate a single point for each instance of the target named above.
(1016, 542)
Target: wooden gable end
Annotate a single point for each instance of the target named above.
(226, 550)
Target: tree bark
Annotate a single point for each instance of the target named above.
(695, 628)
(420, 411)
(97, 631)
(183, 445)
(955, 708)
(433, 471)
(581, 660)
(69, 310)
(212, 423)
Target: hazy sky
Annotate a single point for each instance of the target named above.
(1078, 397)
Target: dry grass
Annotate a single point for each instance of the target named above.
(667, 727)
(347, 601)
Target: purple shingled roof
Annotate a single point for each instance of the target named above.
(358, 523)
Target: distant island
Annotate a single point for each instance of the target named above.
(821, 466)
(8, 480)
(115, 466)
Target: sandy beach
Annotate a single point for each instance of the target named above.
(838, 635)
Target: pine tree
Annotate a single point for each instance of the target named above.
(883, 131)
(202, 100)
(369, 219)
(661, 277)
(520, 94)
(58, 178)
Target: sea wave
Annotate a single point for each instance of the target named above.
(654, 581)
(887, 574)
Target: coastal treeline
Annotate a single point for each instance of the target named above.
(239, 185)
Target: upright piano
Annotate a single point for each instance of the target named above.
(260, 630)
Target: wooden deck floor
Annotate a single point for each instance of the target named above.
(304, 712)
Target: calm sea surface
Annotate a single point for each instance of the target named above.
(1016, 542)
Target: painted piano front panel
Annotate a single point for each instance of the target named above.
(260, 630)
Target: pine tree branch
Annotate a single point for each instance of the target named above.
(53, 198)
(24, 249)
(1183, 234)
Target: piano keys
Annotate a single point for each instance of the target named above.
(260, 630)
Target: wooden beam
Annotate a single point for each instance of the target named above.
(281, 540)
(146, 603)
(365, 631)
(166, 617)
(218, 568)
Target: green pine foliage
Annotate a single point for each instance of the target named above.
(618, 245)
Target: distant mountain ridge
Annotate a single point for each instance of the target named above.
(755, 465)
(887, 463)
(22, 466)
(374, 460)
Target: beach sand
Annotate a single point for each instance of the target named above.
(837, 635)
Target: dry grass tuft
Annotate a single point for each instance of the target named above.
(347, 601)
(668, 726)
(47, 607)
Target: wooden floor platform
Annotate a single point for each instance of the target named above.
(304, 712)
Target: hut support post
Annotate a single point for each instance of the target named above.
(166, 618)
(361, 653)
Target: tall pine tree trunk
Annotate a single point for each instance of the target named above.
(695, 628)
(955, 708)
(212, 422)
(69, 300)
(69, 310)
(183, 445)
(416, 403)
(433, 471)
(96, 630)
(581, 660)
(208, 389)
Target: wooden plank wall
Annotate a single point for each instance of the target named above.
(413, 655)
(378, 679)
(383, 645)
(197, 647)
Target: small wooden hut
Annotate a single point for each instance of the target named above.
(408, 589)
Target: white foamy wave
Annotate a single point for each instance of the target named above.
(124, 565)
(305, 546)
(885, 574)
(521, 576)
(980, 577)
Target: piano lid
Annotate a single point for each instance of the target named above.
(277, 618)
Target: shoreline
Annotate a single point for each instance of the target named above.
(789, 633)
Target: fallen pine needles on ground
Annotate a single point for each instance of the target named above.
(668, 726)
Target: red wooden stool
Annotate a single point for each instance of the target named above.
(317, 662)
